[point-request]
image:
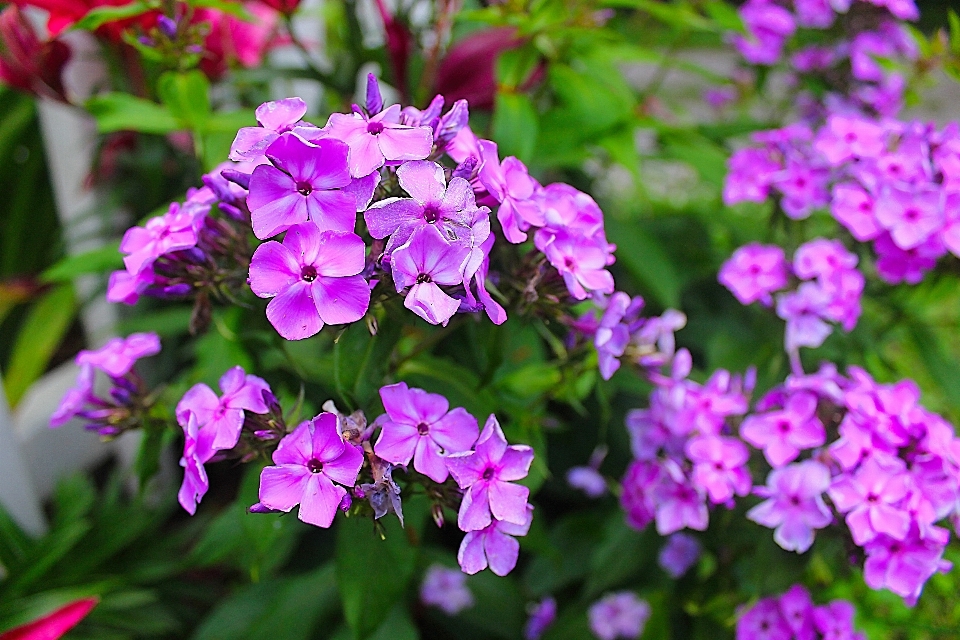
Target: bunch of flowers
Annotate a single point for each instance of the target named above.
(854, 36)
(829, 287)
(793, 616)
(126, 404)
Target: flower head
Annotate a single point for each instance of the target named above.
(618, 615)
(795, 504)
(425, 261)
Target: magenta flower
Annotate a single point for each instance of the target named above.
(750, 174)
(768, 27)
(854, 208)
(275, 118)
(795, 504)
(588, 480)
(845, 138)
(494, 545)
(719, 467)
(452, 208)
(804, 310)
(377, 139)
(619, 615)
(754, 271)
(797, 609)
(117, 357)
(76, 398)
(637, 498)
(223, 417)
(835, 621)
(679, 554)
(910, 216)
(869, 498)
(487, 474)
(763, 622)
(307, 464)
(420, 427)
(905, 566)
(542, 616)
(896, 265)
(197, 450)
(173, 231)
(304, 181)
(678, 504)
(314, 279)
(424, 262)
(581, 261)
(783, 434)
(445, 589)
(511, 185)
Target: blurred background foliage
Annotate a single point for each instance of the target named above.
(604, 95)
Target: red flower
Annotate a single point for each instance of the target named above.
(25, 62)
(64, 13)
(283, 6)
(53, 625)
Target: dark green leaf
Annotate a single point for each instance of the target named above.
(105, 258)
(646, 260)
(123, 112)
(187, 96)
(515, 125)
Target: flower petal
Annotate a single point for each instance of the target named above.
(475, 508)
(320, 501)
(273, 268)
(333, 210)
(508, 501)
(397, 442)
(293, 313)
(423, 180)
(282, 487)
(341, 300)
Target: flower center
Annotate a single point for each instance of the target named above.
(374, 128)
(308, 273)
(795, 500)
(424, 277)
(912, 215)
(430, 213)
(315, 465)
(423, 429)
(568, 263)
(304, 188)
(488, 473)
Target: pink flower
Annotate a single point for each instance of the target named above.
(117, 357)
(511, 185)
(719, 467)
(424, 262)
(274, 118)
(754, 271)
(869, 498)
(785, 433)
(223, 417)
(307, 464)
(494, 545)
(795, 504)
(420, 427)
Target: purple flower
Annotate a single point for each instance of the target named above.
(173, 231)
(845, 138)
(452, 208)
(768, 26)
(910, 216)
(797, 609)
(804, 187)
(896, 265)
(425, 261)
(835, 621)
(275, 118)
(223, 417)
(795, 504)
(420, 427)
(636, 499)
(511, 185)
(376, 139)
(783, 434)
(719, 467)
(313, 278)
(494, 545)
(750, 174)
(618, 615)
(854, 208)
(308, 462)
(581, 261)
(763, 622)
(754, 271)
(804, 310)
(197, 450)
(679, 504)
(679, 554)
(487, 474)
(541, 618)
(905, 566)
(445, 589)
(588, 480)
(304, 181)
(869, 498)
(117, 357)
(75, 398)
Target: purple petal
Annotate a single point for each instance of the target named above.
(471, 555)
(281, 114)
(474, 508)
(250, 143)
(274, 202)
(401, 143)
(283, 487)
(365, 155)
(456, 431)
(515, 463)
(332, 210)
(273, 268)
(362, 189)
(397, 442)
(508, 501)
(226, 429)
(423, 180)
(293, 313)
(346, 467)
(296, 447)
(325, 441)
(383, 218)
(502, 552)
(466, 468)
(341, 300)
(340, 254)
(304, 241)
(201, 401)
(427, 460)
(429, 302)
(320, 501)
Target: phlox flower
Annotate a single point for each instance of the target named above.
(487, 476)
(754, 271)
(275, 118)
(904, 566)
(420, 426)
(314, 279)
(783, 434)
(678, 503)
(719, 467)
(117, 357)
(512, 186)
(763, 621)
(307, 463)
(910, 216)
(679, 554)
(795, 506)
(542, 616)
(797, 610)
(425, 261)
(618, 615)
(494, 545)
(768, 27)
(446, 589)
(870, 499)
(579, 260)
(223, 416)
(173, 231)
(198, 449)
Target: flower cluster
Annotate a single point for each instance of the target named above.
(126, 404)
(887, 182)
(619, 615)
(851, 63)
(829, 287)
(890, 474)
(793, 616)
(188, 252)
(335, 461)
(684, 453)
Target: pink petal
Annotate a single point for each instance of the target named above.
(274, 202)
(423, 180)
(332, 210)
(304, 241)
(326, 444)
(201, 400)
(296, 447)
(250, 143)
(273, 268)
(456, 431)
(429, 302)
(508, 501)
(515, 463)
(365, 155)
(283, 487)
(383, 218)
(427, 460)
(226, 429)
(281, 114)
(320, 501)
(466, 468)
(502, 552)
(397, 442)
(340, 254)
(406, 144)
(346, 467)
(471, 555)
(293, 313)
(341, 300)
(474, 508)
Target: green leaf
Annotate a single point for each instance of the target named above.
(288, 608)
(187, 96)
(646, 261)
(514, 66)
(99, 16)
(123, 112)
(226, 6)
(156, 438)
(360, 361)
(41, 333)
(724, 15)
(100, 260)
(515, 125)
(373, 574)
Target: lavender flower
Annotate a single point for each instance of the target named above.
(446, 589)
(679, 554)
(542, 616)
(795, 506)
(275, 118)
(425, 261)
(618, 615)
(494, 545)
